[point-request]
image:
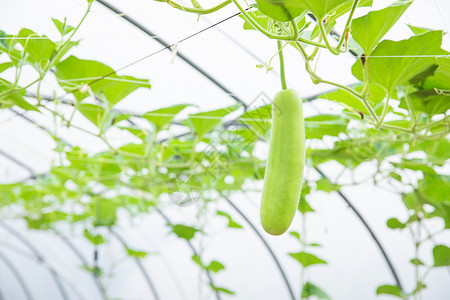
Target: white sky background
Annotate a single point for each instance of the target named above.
(355, 265)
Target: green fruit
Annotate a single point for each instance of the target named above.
(284, 171)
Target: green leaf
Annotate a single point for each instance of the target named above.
(417, 262)
(62, 27)
(324, 184)
(13, 97)
(215, 266)
(231, 222)
(441, 78)
(351, 102)
(368, 30)
(5, 66)
(435, 188)
(258, 119)
(394, 223)
(295, 234)
(75, 74)
(310, 290)
(96, 114)
(163, 116)
(321, 8)
(307, 259)
(95, 239)
(280, 10)
(136, 253)
(184, 232)
(317, 127)
(441, 255)
(394, 63)
(344, 8)
(205, 121)
(389, 290)
(221, 289)
(259, 17)
(104, 211)
(39, 48)
(418, 30)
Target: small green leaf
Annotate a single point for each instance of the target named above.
(417, 262)
(310, 290)
(95, 239)
(231, 222)
(221, 289)
(184, 232)
(63, 28)
(295, 234)
(215, 266)
(389, 290)
(324, 184)
(307, 259)
(394, 223)
(441, 255)
(418, 30)
(136, 253)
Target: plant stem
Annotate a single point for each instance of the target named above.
(336, 50)
(282, 72)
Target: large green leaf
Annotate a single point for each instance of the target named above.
(317, 127)
(351, 102)
(100, 117)
(441, 78)
(394, 63)
(163, 116)
(13, 97)
(441, 255)
(74, 74)
(205, 121)
(39, 48)
(321, 8)
(368, 30)
(280, 10)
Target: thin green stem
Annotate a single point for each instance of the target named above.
(350, 90)
(411, 109)
(282, 72)
(196, 10)
(294, 30)
(336, 50)
(347, 25)
(433, 123)
(384, 112)
(325, 39)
